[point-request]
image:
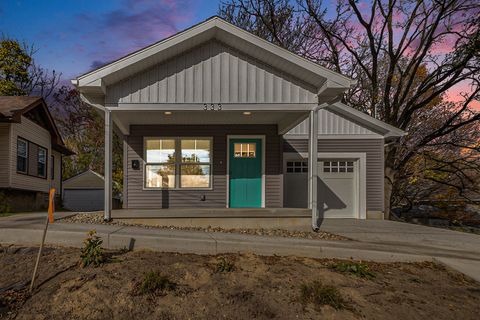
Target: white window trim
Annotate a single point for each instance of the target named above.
(263, 153)
(361, 173)
(178, 163)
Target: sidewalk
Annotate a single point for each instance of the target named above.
(26, 229)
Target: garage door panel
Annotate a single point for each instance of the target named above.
(336, 187)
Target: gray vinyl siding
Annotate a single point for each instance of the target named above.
(375, 162)
(137, 197)
(4, 155)
(211, 72)
(32, 132)
(330, 123)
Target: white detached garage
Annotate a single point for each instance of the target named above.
(84, 192)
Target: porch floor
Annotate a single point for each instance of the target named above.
(228, 218)
(210, 213)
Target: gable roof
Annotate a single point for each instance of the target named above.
(326, 81)
(363, 119)
(88, 179)
(12, 108)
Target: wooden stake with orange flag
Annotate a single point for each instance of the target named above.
(50, 219)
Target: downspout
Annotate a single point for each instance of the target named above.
(313, 165)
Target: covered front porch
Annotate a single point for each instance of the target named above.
(202, 115)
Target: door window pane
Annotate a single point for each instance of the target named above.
(196, 150)
(245, 150)
(160, 151)
(195, 176)
(160, 176)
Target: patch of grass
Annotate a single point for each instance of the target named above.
(320, 295)
(154, 283)
(358, 269)
(92, 253)
(224, 265)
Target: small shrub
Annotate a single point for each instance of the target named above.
(224, 265)
(153, 283)
(92, 252)
(320, 295)
(356, 268)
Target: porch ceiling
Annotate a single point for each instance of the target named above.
(285, 120)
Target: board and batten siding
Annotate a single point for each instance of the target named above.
(32, 132)
(4, 155)
(332, 124)
(139, 197)
(211, 72)
(375, 162)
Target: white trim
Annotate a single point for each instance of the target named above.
(264, 151)
(135, 107)
(361, 186)
(335, 137)
(92, 77)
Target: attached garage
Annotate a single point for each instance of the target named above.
(339, 192)
(84, 192)
(350, 164)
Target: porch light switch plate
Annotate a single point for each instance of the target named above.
(135, 164)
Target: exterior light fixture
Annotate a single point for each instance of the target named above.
(247, 113)
(168, 113)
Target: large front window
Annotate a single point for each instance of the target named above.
(178, 162)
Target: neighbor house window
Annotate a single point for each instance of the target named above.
(52, 167)
(41, 162)
(22, 156)
(178, 163)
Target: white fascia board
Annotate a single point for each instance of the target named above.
(386, 129)
(135, 107)
(304, 63)
(91, 78)
(144, 53)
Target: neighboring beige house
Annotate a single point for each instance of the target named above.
(31, 151)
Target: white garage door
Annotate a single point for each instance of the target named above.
(337, 186)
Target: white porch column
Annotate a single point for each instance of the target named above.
(313, 166)
(108, 165)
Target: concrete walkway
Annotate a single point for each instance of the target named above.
(373, 240)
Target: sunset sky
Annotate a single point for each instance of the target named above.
(73, 37)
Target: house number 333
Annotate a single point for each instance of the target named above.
(206, 107)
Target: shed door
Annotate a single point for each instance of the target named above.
(83, 199)
(337, 192)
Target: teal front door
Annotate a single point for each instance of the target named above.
(245, 173)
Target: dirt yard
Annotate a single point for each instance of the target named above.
(228, 287)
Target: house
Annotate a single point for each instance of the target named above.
(31, 151)
(85, 192)
(216, 117)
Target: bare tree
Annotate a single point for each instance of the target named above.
(406, 56)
